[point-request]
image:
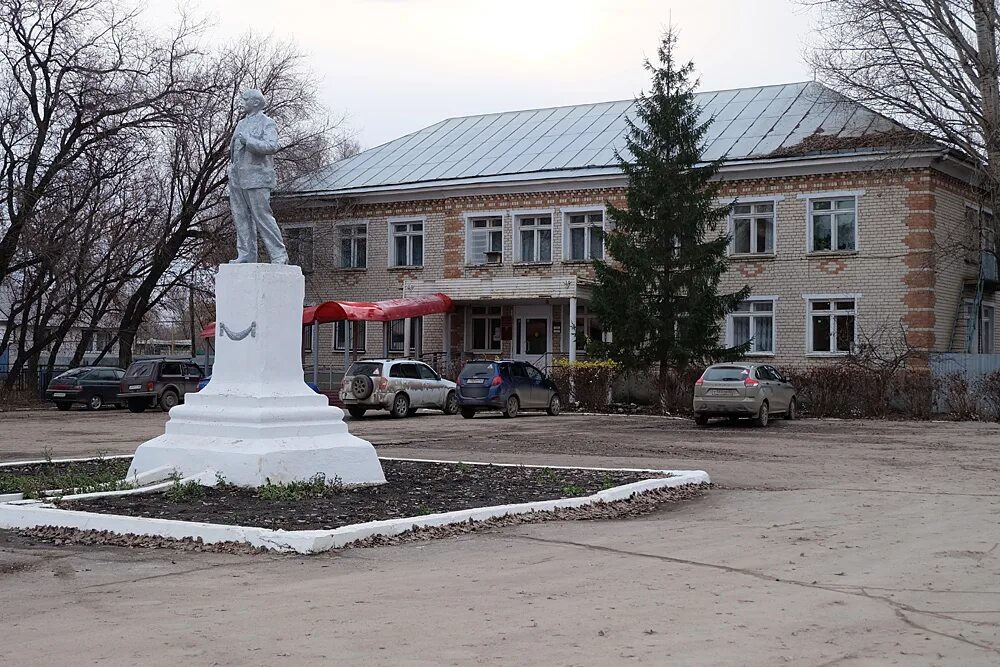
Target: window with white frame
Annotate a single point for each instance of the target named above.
(833, 224)
(832, 325)
(753, 322)
(353, 246)
(753, 228)
(987, 319)
(485, 236)
(485, 328)
(588, 328)
(359, 332)
(397, 330)
(534, 238)
(299, 245)
(985, 327)
(406, 243)
(584, 236)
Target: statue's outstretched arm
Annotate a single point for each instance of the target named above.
(268, 144)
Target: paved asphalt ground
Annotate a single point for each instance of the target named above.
(825, 543)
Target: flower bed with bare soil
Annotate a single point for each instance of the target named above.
(413, 488)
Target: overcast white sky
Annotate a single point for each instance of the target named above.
(395, 66)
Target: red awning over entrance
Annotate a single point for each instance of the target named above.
(376, 311)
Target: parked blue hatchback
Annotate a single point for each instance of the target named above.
(507, 386)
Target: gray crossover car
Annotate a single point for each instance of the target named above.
(401, 386)
(739, 390)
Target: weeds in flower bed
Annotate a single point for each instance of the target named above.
(314, 487)
(79, 476)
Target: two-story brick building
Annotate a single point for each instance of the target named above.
(844, 224)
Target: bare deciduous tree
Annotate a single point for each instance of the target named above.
(931, 64)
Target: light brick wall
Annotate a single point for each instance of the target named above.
(897, 272)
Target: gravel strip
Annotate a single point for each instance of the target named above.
(634, 506)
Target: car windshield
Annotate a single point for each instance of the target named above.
(726, 374)
(73, 372)
(482, 369)
(369, 368)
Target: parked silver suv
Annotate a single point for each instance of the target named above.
(739, 390)
(401, 386)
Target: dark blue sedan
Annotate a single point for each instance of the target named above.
(507, 386)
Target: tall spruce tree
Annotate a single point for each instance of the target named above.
(658, 293)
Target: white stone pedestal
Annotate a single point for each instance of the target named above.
(257, 420)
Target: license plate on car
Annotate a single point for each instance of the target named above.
(475, 381)
(134, 387)
(59, 395)
(721, 392)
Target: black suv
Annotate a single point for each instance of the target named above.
(94, 386)
(158, 382)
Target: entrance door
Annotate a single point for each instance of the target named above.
(533, 334)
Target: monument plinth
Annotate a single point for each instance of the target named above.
(257, 419)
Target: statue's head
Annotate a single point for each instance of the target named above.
(253, 100)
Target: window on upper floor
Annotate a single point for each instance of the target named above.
(832, 327)
(485, 328)
(533, 238)
(406, 247)
(353, 246)
(299, 245)
(833, 224)
(359, 332)
(583, 236)
(485, 240)
(752, 228)
(753, 322)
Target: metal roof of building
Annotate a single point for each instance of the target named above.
(749, 123)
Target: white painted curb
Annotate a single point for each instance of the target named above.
(35, 514)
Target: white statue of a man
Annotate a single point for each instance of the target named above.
(251, 179)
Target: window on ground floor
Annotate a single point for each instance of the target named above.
(359, 332)
(397, 330)
(307, 338)
(485, 328)
(832, 325)
(985, 327)
(753, 322)
(588, 328)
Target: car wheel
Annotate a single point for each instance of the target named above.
(762, 415)
(512, 406)
(95, 402)
(63, 405)
(137, 405)
(701, 420)
(468, 413)
(357, 412)
(168, 400)
(451, 404)
(555, 405)
(362, 387)
(793, 410)
(400, 406)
